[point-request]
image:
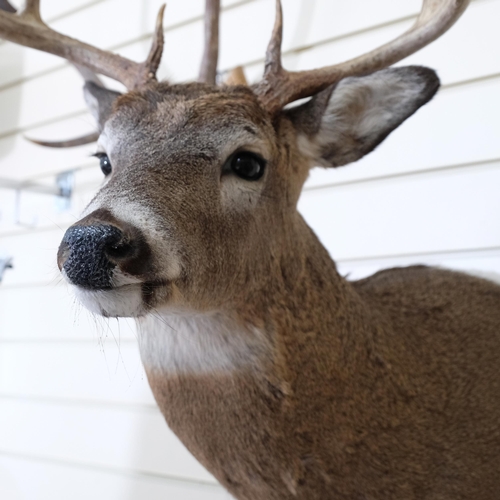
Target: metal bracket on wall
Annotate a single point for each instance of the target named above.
(65, 182)
(5, 263)
(62, 191)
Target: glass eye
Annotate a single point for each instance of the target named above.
(104, 163)
(248, 166)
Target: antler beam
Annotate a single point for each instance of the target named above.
(68, 143)
(208, 69)
(28, 29)
(280, 87)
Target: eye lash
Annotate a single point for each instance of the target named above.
(98, 155)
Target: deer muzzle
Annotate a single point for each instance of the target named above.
(102, 253)
(89, 255)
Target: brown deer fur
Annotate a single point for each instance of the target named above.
(381, 389)
(283, 378)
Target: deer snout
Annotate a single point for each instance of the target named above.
(88, 255)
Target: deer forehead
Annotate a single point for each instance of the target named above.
(188, 118)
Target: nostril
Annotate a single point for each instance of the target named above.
(120, 250)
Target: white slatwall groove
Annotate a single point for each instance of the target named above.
(51, 478)
(76, 414)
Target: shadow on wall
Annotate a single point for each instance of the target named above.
(11, 64)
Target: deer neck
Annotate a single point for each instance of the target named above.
(301, 299)
(215, 375)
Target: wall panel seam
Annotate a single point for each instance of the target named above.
(135, 473)
(67, 13)
(59, 401)
(402, 175)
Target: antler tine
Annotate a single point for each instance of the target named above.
(236, 77)
(208, 68)
(68, 143)
(280, 87)
(273, 53)
(29, 30)
(152, 62)
(32, 9)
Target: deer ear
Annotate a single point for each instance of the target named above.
(100, 101)
(348, 120)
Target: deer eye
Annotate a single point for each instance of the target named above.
(104, 163)
(248, 166)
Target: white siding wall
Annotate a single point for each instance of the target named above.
(77, 419)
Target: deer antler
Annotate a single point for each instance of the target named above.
(68, 143)
(280, 87)
(236, 76)
(28, 29)
(208, 68)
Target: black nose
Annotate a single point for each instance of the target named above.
(89, 254)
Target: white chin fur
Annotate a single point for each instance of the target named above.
(124, 302)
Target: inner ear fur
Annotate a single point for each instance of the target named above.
(350, 119)
(100, 101)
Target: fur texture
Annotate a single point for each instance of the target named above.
(285, 380)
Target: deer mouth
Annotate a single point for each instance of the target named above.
(121, 302)
(126, 300)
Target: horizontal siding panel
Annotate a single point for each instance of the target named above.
(484, 263)
(36, 101)
(131, 19)
(34, 257)
(65, 318)
(440, 211)
(25, 479)
(22, 478)
(108, 371)
(322, 19)
(119, 438)
(59, 8)
(34, 243)
(38, 479)
(21, 159)
(55, 9)
(456, 55)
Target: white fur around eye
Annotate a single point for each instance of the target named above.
(239, 195)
